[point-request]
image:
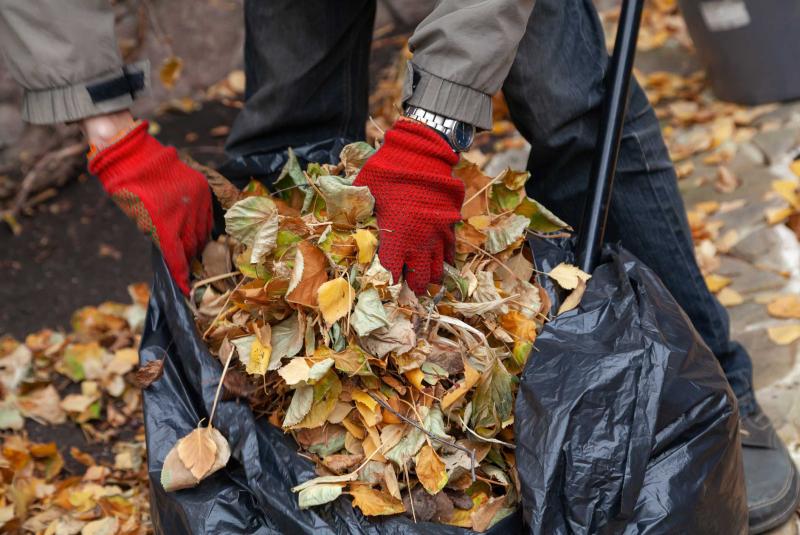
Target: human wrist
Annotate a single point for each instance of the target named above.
(459, 135)
(101, 131)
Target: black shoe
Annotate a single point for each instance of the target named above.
(773, 484)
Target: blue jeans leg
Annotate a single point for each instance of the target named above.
(555, 92)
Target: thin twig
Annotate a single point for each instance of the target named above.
(219, 385)
(485, 439)
(215, 278)
(428, 433)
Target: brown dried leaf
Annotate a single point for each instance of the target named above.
(314, 274)
(149, 373)
(197, 451)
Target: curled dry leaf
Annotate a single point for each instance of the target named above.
(197, 451)
(176, 475)
(574, 298)
(149, 373)
(567, 276)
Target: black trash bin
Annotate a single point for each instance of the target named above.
(749, 47)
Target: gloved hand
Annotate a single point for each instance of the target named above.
(417, 202)
(169, 201)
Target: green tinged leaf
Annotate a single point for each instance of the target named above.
(300, 405)
(493, 401)
(409, 445)
(352, 361)
(292, 179)
(369, 313)
(244, 346)
(254, 222)
(504, 199)
(319, 494)
(286, 340)
(355, 155)
(284, 242)
(326, 394)
(346, 204)
(335, 441)
(319, 369)
(500, 234)
(541, 219)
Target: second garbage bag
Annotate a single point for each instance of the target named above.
(625, 422)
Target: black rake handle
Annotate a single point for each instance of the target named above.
(604, 164)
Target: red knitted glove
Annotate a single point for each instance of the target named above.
(417, 202)
(169, 201)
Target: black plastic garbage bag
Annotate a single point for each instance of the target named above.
(624, 423)
(252, 494)
(624, 420)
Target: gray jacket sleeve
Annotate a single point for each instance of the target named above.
(64, 54)
(463, 51)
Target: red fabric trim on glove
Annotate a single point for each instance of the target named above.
(169, 201)
(417, 202)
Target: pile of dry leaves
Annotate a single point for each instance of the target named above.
(40, 490)
(405, 403)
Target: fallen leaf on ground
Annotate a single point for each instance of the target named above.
(786, 306)
(716, 282)
(784, 334)
(729, 297)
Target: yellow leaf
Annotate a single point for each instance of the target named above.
(707, 207)
(366, 399)
(430, 470)
(518, 325)
(366, 242)
(784, 334)
(795, 167)
(716, 282)
(471, 376)
(370, 416)
(415, 377)
(353, 428)
(729, 297)
(573, 299)
(776, 215)
(567, 276)
(374, 502)
(462, 517)
(787, 306)
(788, 190)
(335, 299)
(480, 222)
(197, 451)
(170, 71)
(259, 356)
